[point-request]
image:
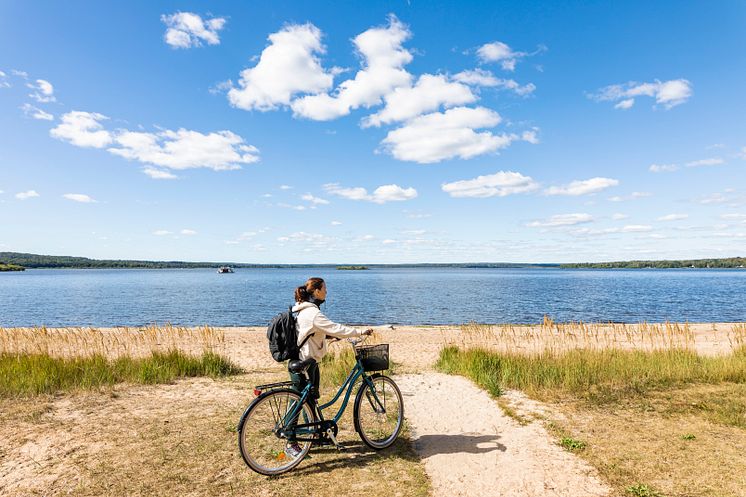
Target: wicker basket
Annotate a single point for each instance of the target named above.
(373, 357)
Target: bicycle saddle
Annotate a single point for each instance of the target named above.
(296, 366)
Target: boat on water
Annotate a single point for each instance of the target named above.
(225, 269)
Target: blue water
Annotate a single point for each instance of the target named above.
(114, 297)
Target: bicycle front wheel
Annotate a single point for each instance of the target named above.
(379, 412)
(266, 432)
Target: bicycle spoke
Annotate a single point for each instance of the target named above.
(379, 419)
(263, 433)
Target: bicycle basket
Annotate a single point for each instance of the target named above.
(373, 357)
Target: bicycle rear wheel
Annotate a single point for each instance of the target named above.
(379, 418)
(264, 428)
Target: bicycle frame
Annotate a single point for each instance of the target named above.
(356, 373)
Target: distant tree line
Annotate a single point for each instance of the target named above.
(67, 262)
(731, 262)
(11, 267)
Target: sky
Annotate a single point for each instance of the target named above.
(373, 132)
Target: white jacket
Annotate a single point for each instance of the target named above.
(311, 321)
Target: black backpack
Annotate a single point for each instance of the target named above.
(282, 334)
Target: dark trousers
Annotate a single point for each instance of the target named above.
(299, 383)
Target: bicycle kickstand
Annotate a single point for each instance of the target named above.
(330, 434)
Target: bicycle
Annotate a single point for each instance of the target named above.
(282, 417)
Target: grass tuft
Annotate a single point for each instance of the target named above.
(642, 490)
(24, 375)
(597, 375)
(572, 444)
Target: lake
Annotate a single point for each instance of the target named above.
(131, 297)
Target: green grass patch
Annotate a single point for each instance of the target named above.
(642, 490)
(33, 374)
(572, 444)
(597, 375)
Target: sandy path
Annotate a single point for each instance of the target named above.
(470, 447)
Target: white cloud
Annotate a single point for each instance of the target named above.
(383, 60)
(185, 149)
(428, 94)
(625, 104)
(381, 195)
(314, 200)
(716, 161)
(181, 149)
(336, 223)
(186, 29)
(619, 216)
(667, 93)
(630, 228)
(388, 241)
(36, 113)
(316, 239)
(663, 168)
(20, 74)
(673, 217)
(562, 220)
(27, 195)
(635, 228)
(44, 91)
(79, 197)
(158, 173)
(632, 196)
(444, 135)
(82, 129)
(285, 187)
(4, 80)
(288, 66)
(162, 232)
(481, 77)
(500, 184)
(295, 207)
(582, 187)
(188, 232)
(734, 215)
(498, 51)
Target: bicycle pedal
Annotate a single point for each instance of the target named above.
(333, 438)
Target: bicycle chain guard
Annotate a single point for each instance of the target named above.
(323, 427)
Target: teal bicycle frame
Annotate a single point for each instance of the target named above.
(307, 428)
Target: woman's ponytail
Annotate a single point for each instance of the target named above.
(304, 292)
(301, 294)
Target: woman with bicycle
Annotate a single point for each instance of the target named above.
(278, 428)
(314, 328)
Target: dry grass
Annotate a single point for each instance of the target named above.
(551, 336)
(41, 360)
(176, 439)
(173, 439)
(679, 442)
(111, 342)
(643, 405)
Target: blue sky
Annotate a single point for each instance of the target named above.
(301, 132)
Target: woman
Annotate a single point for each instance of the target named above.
(314, 328)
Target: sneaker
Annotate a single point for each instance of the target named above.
(293, 450)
